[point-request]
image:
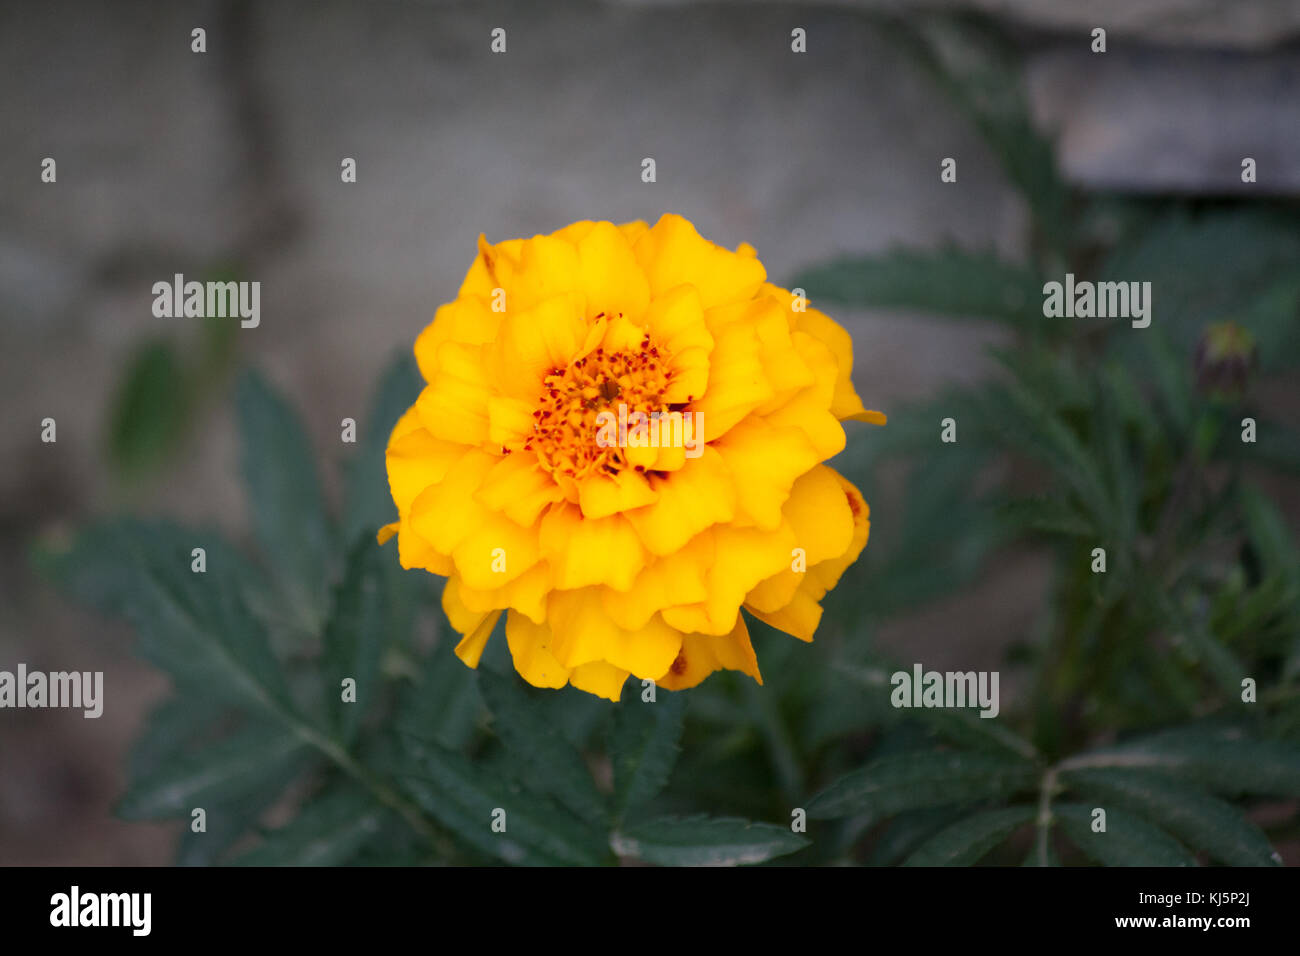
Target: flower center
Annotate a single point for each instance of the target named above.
(565, 426)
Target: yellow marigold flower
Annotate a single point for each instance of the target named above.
(525, 475)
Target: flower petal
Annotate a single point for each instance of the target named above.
(601, 495)
(767, 461)
(530, 647)
(673, 252)
(599, 678)
(676, 579)
(454, 405)
(584, 632)
(699, 495)
(587, 551)
(610, 275)
(702, 654)
(518, 487)
(416, 459)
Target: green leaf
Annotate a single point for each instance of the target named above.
(962, 727)
(1221, 663)
(556, 766)
(232, 817)
(358, 630)
(1268, 531)
(980, 69)
(1037, 857)
(1242, 264)
(1121, 473)
(1201, 821)
(925, 560)
(285, 498)
(194, 625)
(1223, 759)
(444, 703)
(924, 779)
(966, 842)
(1047, 515)
(368, 504)
(181, 728)
(948, 282)
(172, 728)
(150, 409)
(1029, 422)
(704, 841)
(643, 747)
(908, 830)
(222, 771)
(467, 799)
(972, 732)
(1127, 841)
(327, 832)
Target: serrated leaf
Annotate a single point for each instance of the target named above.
(356, 633)
(172, 728)
(284, 494)
(926, 779)
(1127, 841)
(232, 818)
(972, 732)
(194, 625)
(443, 704)
(908, 830)
(948, 282)
(1201, 821)
(368, 504)
(327, 832)
(705, 841)
(1027, 421)
(967, 841)
(219, 772)
(1223, 759)
(466, 799)
(184, 726)
(643, 747)
(556, 766)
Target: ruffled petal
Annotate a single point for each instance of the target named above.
(599, 678)
(672, 252)
(531, 649)
(702, 654)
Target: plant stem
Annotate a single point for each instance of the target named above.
(382, 792)
(1044, 821)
